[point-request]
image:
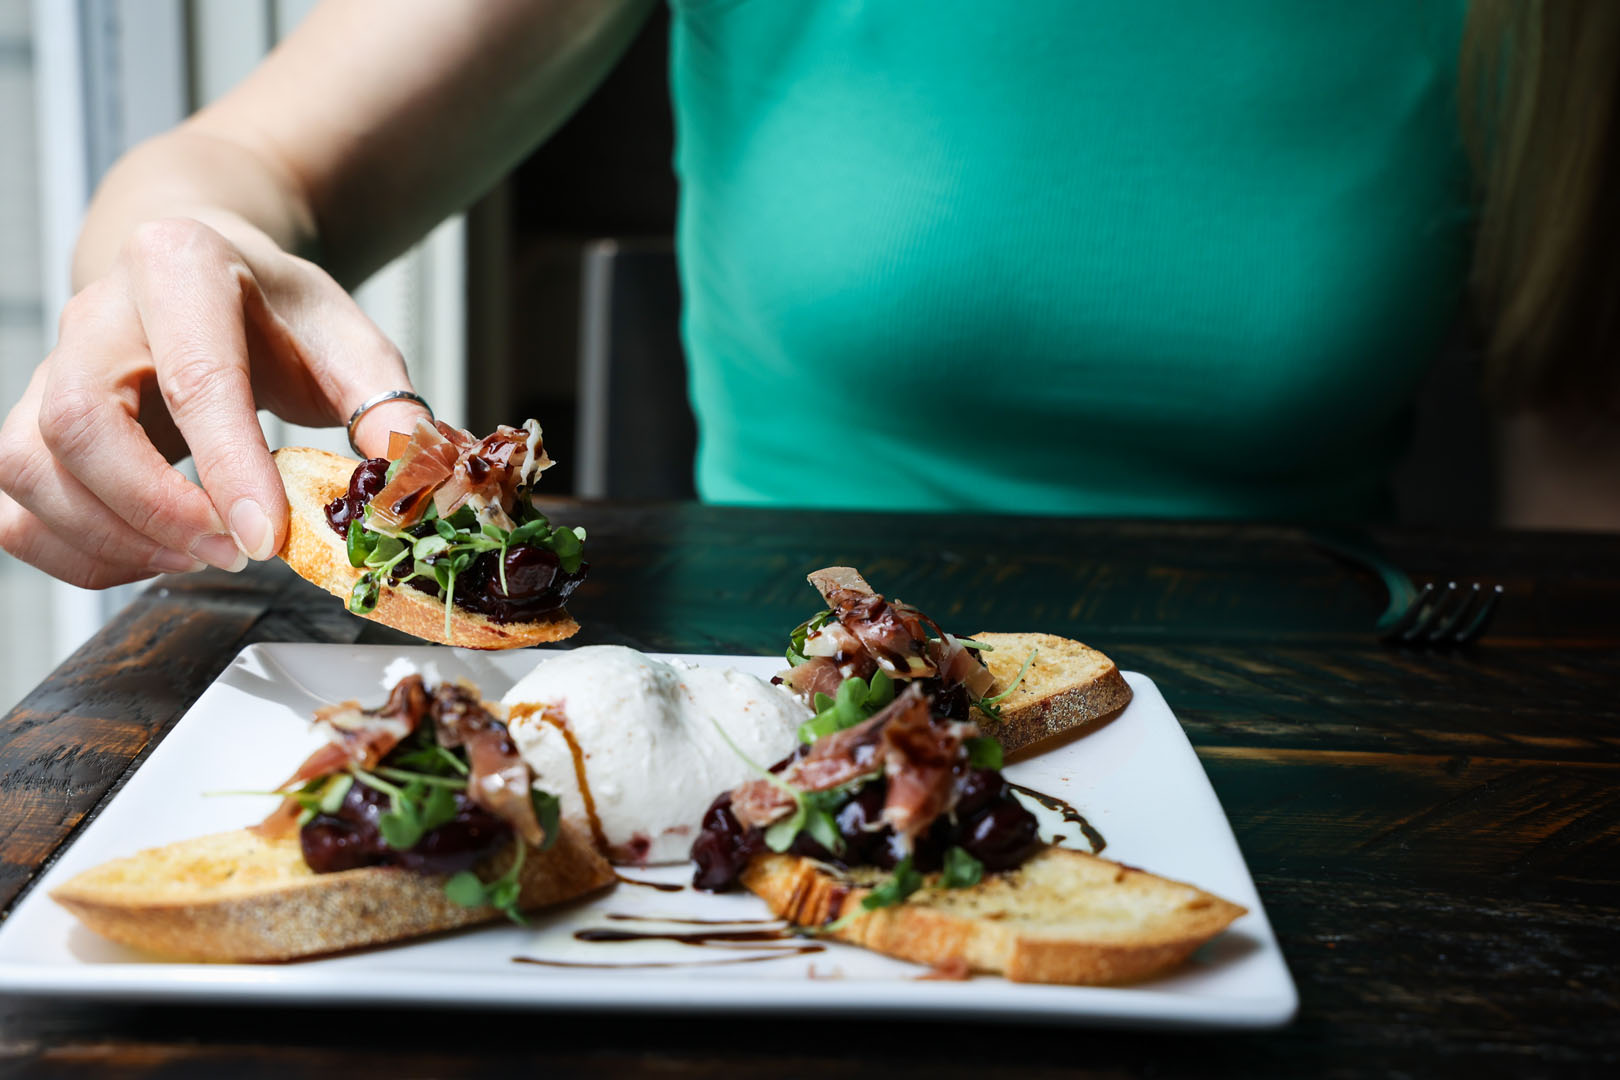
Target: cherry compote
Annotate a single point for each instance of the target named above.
(350, 838)
(535, 582)
(986, 821)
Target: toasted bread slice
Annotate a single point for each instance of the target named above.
(1067, 686)
(314, 478)
(1062, 917)
(237, 897)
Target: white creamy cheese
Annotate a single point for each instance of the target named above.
(652, 757)
(400, 667)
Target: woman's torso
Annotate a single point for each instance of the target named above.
(1064, 256)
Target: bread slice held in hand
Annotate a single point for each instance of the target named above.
(1062, 917)
(238, 897)
(313, 478)
(1066, 688)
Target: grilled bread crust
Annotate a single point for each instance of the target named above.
(314, 478)
(1068, 687)
(237, 897)
(1062, 917)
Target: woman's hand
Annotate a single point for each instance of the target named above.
(189, 321)
(170, 353)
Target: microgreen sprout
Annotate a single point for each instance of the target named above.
(856, 701)
(984, 753)
(961, 870)
(991, 706)
(467, 890)
(802, 632)
(449, 550)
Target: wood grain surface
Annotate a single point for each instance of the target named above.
(1436, 835)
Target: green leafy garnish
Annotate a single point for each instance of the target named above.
(984, 753)
(812, 810)
(502, 894)
(856, 701)
(446, 553)
(363, 597)
(548, 812)
(336, 790)
(800, 633)
(433, 759)
(961, 870)
(902, 883)
(814, 813)
(359, 543)
(990, 706)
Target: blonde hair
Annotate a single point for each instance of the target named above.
(1540, 100)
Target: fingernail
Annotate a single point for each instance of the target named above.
(217, 549)
(173, 562)
(251, 527)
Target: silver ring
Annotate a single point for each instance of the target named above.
(376, 400)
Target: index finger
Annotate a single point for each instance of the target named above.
(87, 419)
(195, 296)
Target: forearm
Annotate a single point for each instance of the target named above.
(186, 173)
(373, 121)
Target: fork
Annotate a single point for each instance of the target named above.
(1433, 615)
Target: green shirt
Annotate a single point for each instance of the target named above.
(1136, 257)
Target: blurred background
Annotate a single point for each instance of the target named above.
(536, 276)
(555, 296)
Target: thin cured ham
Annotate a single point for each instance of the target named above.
(448, 468)
(360, 737)
(870, 632)
(489, 473)
(817, 675)
(916, 755)
(428, 461)
(499, 780)
(920, 757)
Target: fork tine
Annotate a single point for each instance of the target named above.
(1476, 627)
(1434, 612)
(1466, 600)
(1402, 628)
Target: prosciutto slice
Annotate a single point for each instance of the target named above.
(499, 780)
(428, 461)
(759, 803)
(959, 664)
(916, 755)
(891, 633)
(447, 467)
(360, 737)
(920, 757)
(488, 474)
(817, 675)
(895, 635)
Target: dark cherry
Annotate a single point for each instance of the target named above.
(863, 814)
(534, 575)
(367, 479)
(723, 847)
(530, 571)
(977, 789)
(350, 838)
(461, 843)
(1002, 836)
(331, 844)
(536, 582)
(987, 822)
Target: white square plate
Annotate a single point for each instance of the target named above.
(1136, 779)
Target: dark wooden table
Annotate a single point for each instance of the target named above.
(1436, 835)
